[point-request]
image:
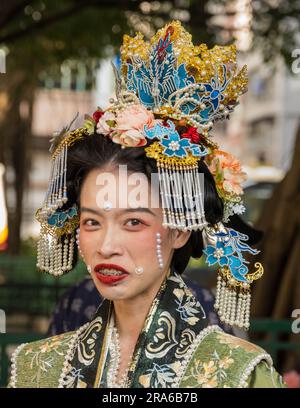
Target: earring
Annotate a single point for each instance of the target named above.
(77, 242)
(224, 246)
(89, 269)
(158, 250)
(139, 270)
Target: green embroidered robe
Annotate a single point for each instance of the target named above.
(176, 348)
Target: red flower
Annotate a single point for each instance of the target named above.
(97, 115)
(165, 123)
(192, 134)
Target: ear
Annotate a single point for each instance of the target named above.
(180, 238)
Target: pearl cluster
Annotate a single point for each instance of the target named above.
(89, 269)
(53, 255)
(115, 353)
(246, 374)
(158, 251)
(233, 303)
(184, 95)
(13, 377)
(69, 355)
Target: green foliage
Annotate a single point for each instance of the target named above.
(82, 36)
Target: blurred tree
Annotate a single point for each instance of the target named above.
(39, 34)
(278, 294)
(274, 25)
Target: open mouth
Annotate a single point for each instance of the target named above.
(110, 269)
(110, 273)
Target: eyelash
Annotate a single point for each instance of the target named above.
(85, 222)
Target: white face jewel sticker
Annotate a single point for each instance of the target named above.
(107, 206)
(139, 270)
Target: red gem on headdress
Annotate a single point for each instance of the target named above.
(97, 115)
(165, 123)
(192, 134)
(164, 43)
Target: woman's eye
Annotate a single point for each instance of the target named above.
(90, 222)
(134, 222)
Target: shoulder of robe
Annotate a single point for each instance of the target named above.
(223, 361)
(39, 364)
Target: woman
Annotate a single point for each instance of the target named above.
(127, 183)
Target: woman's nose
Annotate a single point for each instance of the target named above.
(109, 244)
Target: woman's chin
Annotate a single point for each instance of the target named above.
(114, 291)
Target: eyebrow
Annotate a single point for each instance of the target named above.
(126, 210)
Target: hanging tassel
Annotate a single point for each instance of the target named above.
(224, 247)
(55, 248)
(55, 255)
(180, 190)
(56, 195)
(233, 302)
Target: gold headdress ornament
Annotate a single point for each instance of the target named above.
(181, 81)
(169, 93)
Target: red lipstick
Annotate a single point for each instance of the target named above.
(110, 279)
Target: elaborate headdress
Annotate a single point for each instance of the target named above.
(169, 93)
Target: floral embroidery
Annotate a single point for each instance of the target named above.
(235, 342)
(187, 306)
(42, 358)
(74, 379)
(159, 375)
(211, 373)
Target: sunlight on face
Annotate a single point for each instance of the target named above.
(125, 237)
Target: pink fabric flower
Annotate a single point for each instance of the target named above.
(130, 125)
(227, 171)
(130, 138)
(106, 123)
(292, 379)
(134, 117)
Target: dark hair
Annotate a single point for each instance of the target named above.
(96, 151)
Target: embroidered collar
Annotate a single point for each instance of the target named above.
(170, 330)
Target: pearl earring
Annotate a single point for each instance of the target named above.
(77, 242)
(158, 250)
(89, 269)
(139, 270)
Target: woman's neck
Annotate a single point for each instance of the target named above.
(130, 314)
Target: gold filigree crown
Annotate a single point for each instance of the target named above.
(179, 80)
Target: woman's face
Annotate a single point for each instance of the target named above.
(123, 237)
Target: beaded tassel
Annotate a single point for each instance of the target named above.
(53, 255)
(176, 182)
(233, 303)
(56, 195)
